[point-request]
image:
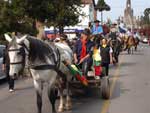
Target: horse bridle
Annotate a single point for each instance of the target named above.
(38, 67)
(22, 52)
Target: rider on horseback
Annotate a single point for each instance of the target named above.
(97, 28)
(114, 32)
(115, 42)
(129, 32)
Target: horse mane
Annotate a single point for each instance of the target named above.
(39, 49)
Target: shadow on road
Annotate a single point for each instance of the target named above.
(24, 88)
(88, 101)
(127, 64)
(120, 75)
(124, 64)
(119, 90)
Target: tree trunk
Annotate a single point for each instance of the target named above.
(61, 29)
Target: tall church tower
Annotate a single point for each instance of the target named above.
(128, 4)
(128, 15)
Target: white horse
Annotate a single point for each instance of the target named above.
(45, 61)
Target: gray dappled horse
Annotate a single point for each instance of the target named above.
(115, 42)
(45, 62)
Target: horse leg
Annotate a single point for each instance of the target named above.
(39, 87)
(135, 47)
(132, 50)
(129, 50)
(61, 105)
(116, 58)
(52, 95)
(68, 99)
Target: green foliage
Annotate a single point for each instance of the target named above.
(14, 19)
(101, 6)
(20, 15)
(146, 17)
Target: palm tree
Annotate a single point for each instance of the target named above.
(101, 6)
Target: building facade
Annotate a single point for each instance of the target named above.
(130, 20)
(91, 9)
(128, 15)
(89, 13)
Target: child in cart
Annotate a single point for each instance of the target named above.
(97, 62)
(102, 57)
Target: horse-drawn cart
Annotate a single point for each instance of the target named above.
(91, 80)
(45, 64)
(102, 83)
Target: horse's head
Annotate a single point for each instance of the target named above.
(16, 53)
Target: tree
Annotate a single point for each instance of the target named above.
(14, 19)
(102, 6)
(22, 15)
(147, 16)
(58, 13)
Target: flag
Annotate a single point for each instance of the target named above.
(77, 73)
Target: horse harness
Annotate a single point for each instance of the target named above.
(20, 51)
(55, 67)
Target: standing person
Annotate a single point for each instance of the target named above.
(114, 32)
(106, 55)
(83, 52)
(97, 28)
(6, 67)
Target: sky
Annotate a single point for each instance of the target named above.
(118, 6)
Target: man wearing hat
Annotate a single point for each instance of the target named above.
(113, 31)
(83, 51)
(97, 29)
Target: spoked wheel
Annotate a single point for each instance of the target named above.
(105, 87)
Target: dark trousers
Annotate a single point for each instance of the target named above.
(105, 66)
(86, 65)
(9, 79)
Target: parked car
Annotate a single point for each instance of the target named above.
(2, 73)
(145, 40)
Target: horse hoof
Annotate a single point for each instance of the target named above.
(60, 109)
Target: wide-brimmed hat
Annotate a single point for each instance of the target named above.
(86, 31)
(96, 21)
(63, 37)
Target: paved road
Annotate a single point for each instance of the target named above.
(130, 90)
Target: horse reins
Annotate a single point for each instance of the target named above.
(22, 51)
(38, 67)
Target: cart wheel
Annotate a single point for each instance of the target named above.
(105, 87)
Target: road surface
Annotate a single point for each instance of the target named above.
(130, 90)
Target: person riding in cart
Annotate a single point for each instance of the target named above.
(83, 51)
(102, 57)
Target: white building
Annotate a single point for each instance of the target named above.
(89, 15)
